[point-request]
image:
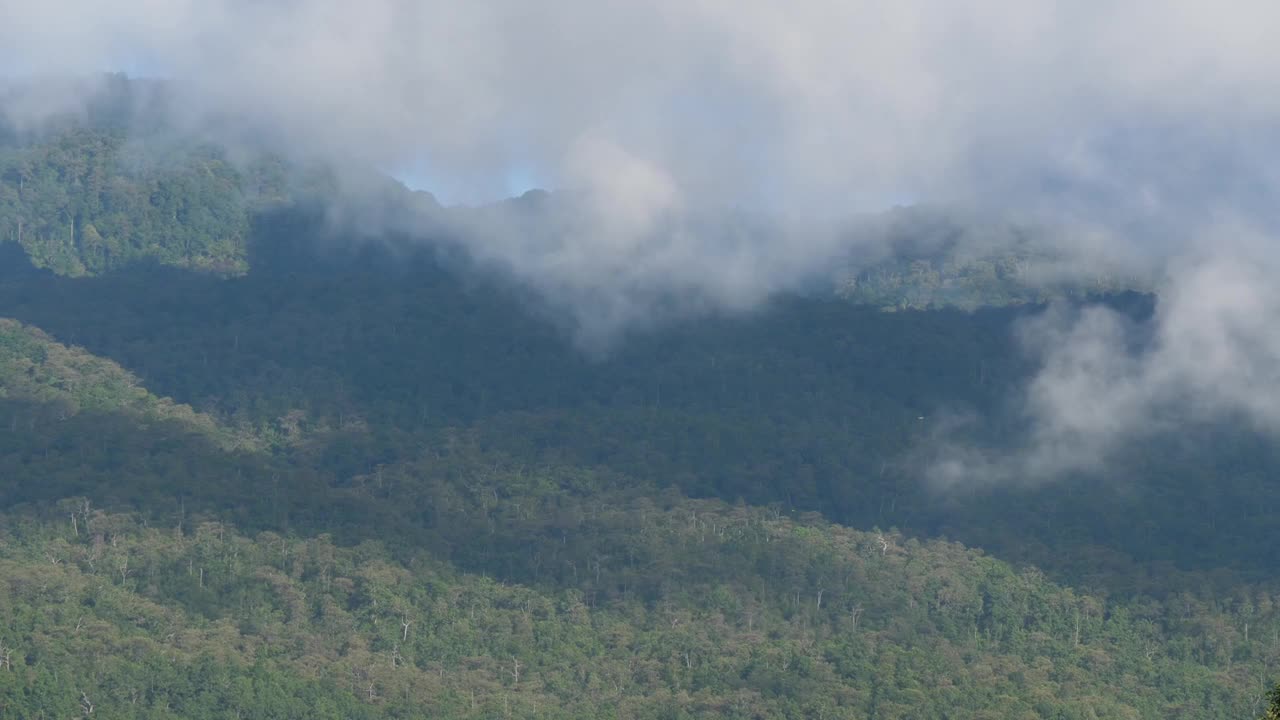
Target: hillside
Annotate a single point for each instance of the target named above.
(260, 459)
(85, 200)
(493, 587)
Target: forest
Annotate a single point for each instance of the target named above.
(254, 464)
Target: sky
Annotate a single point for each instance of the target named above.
(1145, 129)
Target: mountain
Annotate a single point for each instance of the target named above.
(926, 257)
(300, 462)
(464, 582)
(88, 199)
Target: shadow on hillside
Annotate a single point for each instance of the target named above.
(166, 469)
(808, 402)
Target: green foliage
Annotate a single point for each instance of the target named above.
(37, 368)
(83, 202)
(1009, 277)
(935, 259)
(347, 357)
(629, 607)
(427, 583)
(361, 482)
(1273, 704)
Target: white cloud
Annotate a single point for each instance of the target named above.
(1211, 352)
(1139, 124)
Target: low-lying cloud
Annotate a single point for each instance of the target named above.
(1210, 353)
(1138, 125)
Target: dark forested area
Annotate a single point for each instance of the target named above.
(252, 467)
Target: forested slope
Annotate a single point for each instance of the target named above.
(810, 402)
(494, 587)
(272, 569)
(255, 464)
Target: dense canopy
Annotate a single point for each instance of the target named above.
(254, 467)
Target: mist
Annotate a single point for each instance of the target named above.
(715, 152)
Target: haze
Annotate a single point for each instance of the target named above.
(1146, 129)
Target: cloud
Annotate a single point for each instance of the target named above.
(1136, 126)
(815, 105)
(1106, 381)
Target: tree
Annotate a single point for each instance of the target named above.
(1273, 704)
